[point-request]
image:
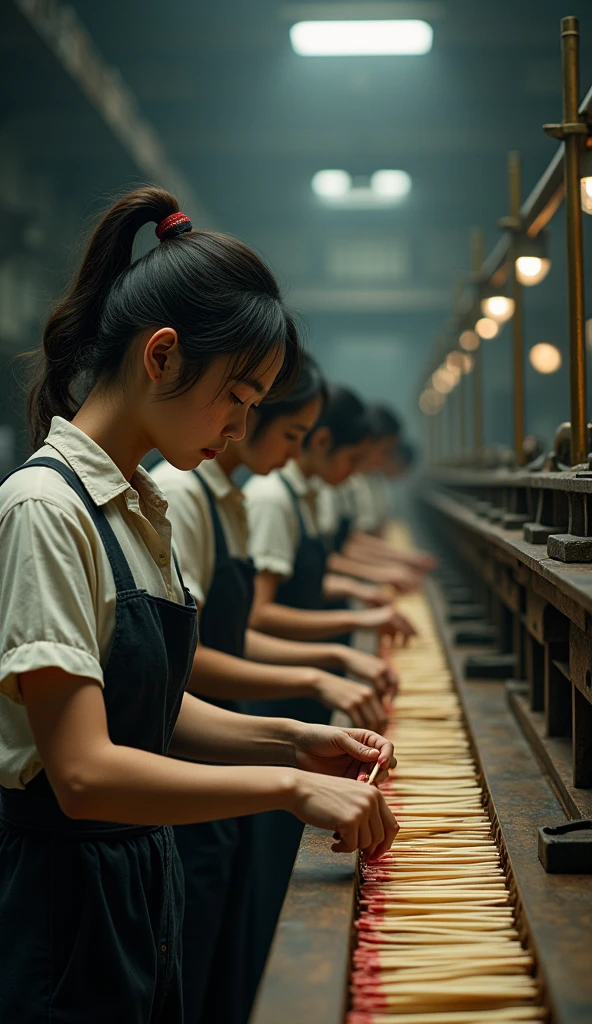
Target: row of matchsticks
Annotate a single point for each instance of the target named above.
(437, 940)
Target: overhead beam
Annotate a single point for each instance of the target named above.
(65, 36)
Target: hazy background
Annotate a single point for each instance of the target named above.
(240, 123)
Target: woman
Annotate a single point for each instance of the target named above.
(209, 527)
(98, 633)
(285, 541)
(289, 599)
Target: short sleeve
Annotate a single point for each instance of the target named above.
(48, 592)
(193, 539)
(273, 541)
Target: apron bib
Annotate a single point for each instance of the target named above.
(90, 924)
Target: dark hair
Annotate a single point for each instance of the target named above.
(309, 385)
(382, 422)
(218, 295)
(345, 416)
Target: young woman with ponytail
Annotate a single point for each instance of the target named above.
(98, 633)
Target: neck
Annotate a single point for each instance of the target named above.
(229, 459)
(107, 421)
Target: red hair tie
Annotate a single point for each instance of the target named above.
(174, 224)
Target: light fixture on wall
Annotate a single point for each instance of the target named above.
(532, 261)
(545, 358)
(487, 328)
(497, 307)
(400, 37)
(430, 401)
(470, 341)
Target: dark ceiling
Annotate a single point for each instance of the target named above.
(249, 123)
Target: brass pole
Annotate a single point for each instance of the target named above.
(575, 253)
(514, 183)
(477, 256)
(462, 398)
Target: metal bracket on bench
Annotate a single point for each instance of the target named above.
(567, 849)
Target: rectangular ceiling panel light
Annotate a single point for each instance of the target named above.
(360, 38)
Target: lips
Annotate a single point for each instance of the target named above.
(210, 453)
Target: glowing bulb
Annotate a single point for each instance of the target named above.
(365, 38)
(545, 358)
(532, 270)
(498, 307)
(391, 184)
(586, 194)
(454, 360)
(331, 184)
(445, 379)
(487, 328)
(469, 341)
(430, 402)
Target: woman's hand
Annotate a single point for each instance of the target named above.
(388, 620)
(358, 700)
(330, 751)
(378, 671)
(356, 814)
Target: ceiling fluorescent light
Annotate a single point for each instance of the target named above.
(360, 38)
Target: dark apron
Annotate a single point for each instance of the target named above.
(336, 543)
(216, 854)
(90, 911)
(277, 834)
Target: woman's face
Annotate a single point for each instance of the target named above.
(280, 441)
(198, 423)
(379, 455)
(342, 462)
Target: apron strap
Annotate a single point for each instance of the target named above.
(296, 503)
(124, 581)
(220, 539)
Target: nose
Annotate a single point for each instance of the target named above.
(236, 428)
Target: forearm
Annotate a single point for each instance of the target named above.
(360, 569)
(204, 732)
(216, 674)
(266, 648)
(138, 788)
(300, 624)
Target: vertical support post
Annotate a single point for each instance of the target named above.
(515, 186)
(575, 252)
(477, 256)
(462, 398)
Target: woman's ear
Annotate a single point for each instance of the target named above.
(161, 355)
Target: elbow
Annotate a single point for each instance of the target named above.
(77, 792)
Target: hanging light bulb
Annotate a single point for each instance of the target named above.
(545, 358)
(487, 328)
(469, 341)
(586, 180)
(430, 402)
(532, 262)
(498, 307)
(445, 379)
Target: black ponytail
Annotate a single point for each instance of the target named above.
(345, 416)
(212, 289)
